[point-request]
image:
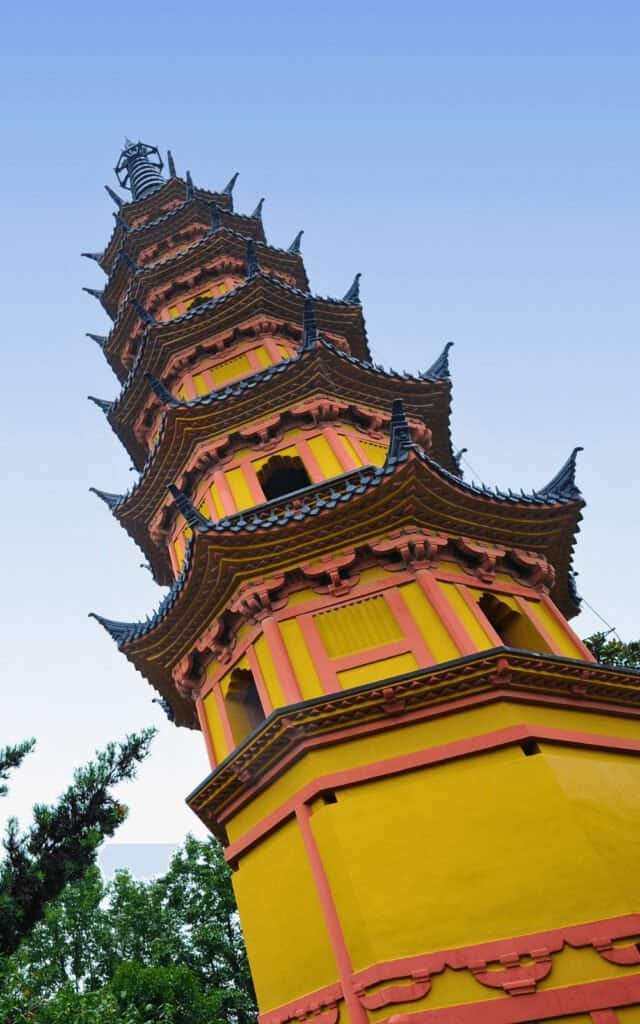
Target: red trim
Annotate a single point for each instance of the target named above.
(558, 616)
(324, 666)
(546, 1005)
(204, 727)
(495, 696)
(344, 457)
(224, 492)
(284, 671)
(253, 482)
(437, 598)
(409, 627)
(370, 655)
(258, 678)
(357, 1014)
(224, 718)
(311, 464)
(604, 1017)
(322, 997)
(538, 625)
(478, 614)
(466, 747)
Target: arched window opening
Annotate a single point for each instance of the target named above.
(513, 627)
(243, 704)
(281, 475)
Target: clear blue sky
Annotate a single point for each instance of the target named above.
(478, 162)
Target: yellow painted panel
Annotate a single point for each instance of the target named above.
(627, 1015)
(230, 369)
(301, 660)
(269, 674)
(174, 311)
(428, 621)
(376, 453)
(226, 679)
(215, 727)
(287, 942)
(351, 450)
(216, 501)
(182, 394)
(421, 736)
(240, 488)
(487, 851)
(223, 288)
(377, 670)
(200, 384)
(574, 966)
(447, 989)
(178, 547)
(323, 454)
(563, 638)
(470, 622)
(203, 508)
(357, 627)
(263, 356)
(284, 352)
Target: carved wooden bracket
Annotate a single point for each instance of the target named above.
(485, 555)
(331, 567)
(417, 550)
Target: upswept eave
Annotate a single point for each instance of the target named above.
(427, 400)
(114, 297)
(409, 490)
(174, 189)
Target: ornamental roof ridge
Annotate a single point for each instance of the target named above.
(214, 396)
(123, 632)
(382, 370)
(305, 503)
(146, 268)
(199, 196)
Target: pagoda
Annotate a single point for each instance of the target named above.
(426, 787)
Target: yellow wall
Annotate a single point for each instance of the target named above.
(289, 951)
(495, 845)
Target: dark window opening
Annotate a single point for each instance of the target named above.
(243, 704)
(529, 748)
(329, 797)
(282, 475)
(513, 627)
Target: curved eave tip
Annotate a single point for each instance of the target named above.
(118, 631)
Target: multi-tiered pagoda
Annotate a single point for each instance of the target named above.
(426, 788)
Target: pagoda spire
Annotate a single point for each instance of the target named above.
(139, 169)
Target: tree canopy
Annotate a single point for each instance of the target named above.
(613, 651)
(168, 949)
(62, 840)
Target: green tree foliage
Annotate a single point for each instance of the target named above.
(168, 950)
(614, 652)
(63, 839)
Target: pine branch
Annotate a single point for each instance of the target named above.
(10, 758)
(64, 838)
